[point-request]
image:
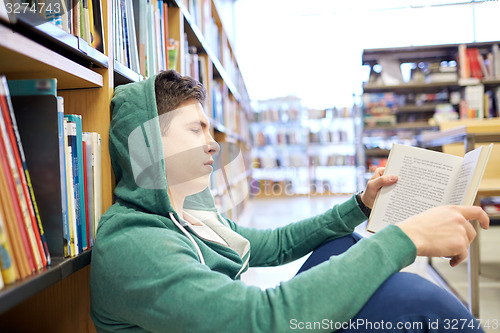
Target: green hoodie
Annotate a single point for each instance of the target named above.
(148, 276)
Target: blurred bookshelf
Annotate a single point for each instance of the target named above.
(300, 151)
(412, 90)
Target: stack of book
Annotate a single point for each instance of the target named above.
(380, 109)
(81, 18)
(473, 64)
(50, 179)
(141, 40)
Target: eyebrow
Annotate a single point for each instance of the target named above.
(202, 123)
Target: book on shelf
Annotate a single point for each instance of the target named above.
(473, 64)
(72, 237)
(172, 53)
(140, 29)
(21, 174)
(91, 195)
(62, 169)
(97, 179)
(81, 18)
(35, 110)
(491, 205)
(11, 200)
(7, 265)
(426, 179)
(76, 143)
(16, 238)
(56, 164)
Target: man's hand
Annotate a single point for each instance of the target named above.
(374, 185)
(445, 231)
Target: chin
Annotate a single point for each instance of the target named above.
(198, 184)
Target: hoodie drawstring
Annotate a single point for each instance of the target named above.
(188, 235)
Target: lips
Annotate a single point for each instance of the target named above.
(211, 163)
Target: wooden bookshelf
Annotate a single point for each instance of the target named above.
(57, 299)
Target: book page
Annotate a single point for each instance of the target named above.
(424, 182)
(464, 178)
(480, 157)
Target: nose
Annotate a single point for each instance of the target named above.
(212, 146)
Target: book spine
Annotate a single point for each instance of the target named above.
(7, 265)
(16, 204)
(96, 152)
(28, 201)
(18, 177)
(73, 237)
(62, 169)
(85, 189)
(91, 24)
(496, 60)
(6, 203)
(76, 184)
(79, 160)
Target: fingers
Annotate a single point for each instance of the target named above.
(467, 213)
(458, 259)
(475, 213)
(381, 181)
(378, 172)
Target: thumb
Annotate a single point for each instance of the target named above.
(383, 181)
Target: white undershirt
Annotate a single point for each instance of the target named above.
(202, 230)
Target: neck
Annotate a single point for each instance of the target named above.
(177, 199)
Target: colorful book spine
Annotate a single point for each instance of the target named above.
(73, 237)
(89, 172)
(7, 265)
(77, 119)
(13, 232)
(20, 188)
(97, 177)
(12, 193)
(62, 170)
(79, 210)
(35, 87)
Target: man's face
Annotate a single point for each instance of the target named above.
(188, 148)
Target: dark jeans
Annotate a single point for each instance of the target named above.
(405, 302)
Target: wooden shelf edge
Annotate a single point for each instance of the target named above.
(70, 75)
(123, 74)
(14, 294)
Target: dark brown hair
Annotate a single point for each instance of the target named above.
(173, 89)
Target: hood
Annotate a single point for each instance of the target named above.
(136, 151)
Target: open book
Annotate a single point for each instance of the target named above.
(426, 179)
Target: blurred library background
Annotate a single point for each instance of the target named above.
(306, 100)
(334, 85)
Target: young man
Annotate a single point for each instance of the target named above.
(165, 260)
